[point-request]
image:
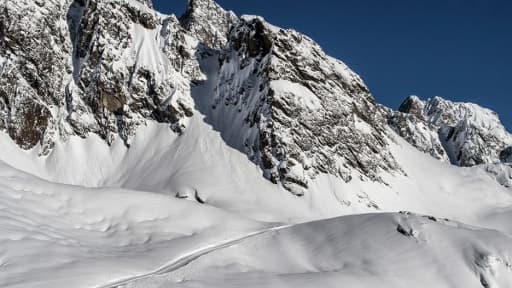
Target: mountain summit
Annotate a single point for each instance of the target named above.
(463, 133)
(208, 22)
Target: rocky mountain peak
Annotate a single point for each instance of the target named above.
(301, 113)
(208, 22)
(110, 66)
(466, 133)
(413, 105)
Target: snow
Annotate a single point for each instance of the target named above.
(472, 115)
(199, 160)
(344, 71)
(56, 235)
(193, 210)
(378, 250)
(361, 125)
(159, 161)
(147, 53)
(440, 189)
(250, 18)
(296, 93)
(67, 236)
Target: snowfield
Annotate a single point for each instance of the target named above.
(55, 235)
(377, 250)
(187, 224)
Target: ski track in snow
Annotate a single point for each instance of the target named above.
(190, 257)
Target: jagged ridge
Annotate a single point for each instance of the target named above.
(463, 133)
(111, 66)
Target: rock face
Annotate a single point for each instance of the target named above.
(418, 133)
(111, 66)
(75, 68)
(34, 68)
(463, 133)
(103, 68)
(307, 113)
(506, 155)
(208, 22)
(122, 75)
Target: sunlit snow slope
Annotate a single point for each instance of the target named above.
(56, 235)
(378, 250)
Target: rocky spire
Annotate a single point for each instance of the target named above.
(412, 105)
(208, 22)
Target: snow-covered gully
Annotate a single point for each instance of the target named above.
(186, 259)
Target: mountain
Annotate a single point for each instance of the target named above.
(116, 75)
(463, 134)
(138, 148)
(104, 68)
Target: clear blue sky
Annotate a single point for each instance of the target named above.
(457, 49)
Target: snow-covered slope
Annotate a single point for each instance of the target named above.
(53, 235)
(199, 163)
(142, 150)
(56, 235)
(380, 250)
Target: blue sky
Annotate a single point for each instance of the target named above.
(457, 49)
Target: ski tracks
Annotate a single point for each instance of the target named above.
(186, 259)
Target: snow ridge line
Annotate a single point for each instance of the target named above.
(186, 259)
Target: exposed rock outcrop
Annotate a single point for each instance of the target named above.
(506, 155)
(208, 22)
(464, 132)
(80, 67)
(303, 112)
